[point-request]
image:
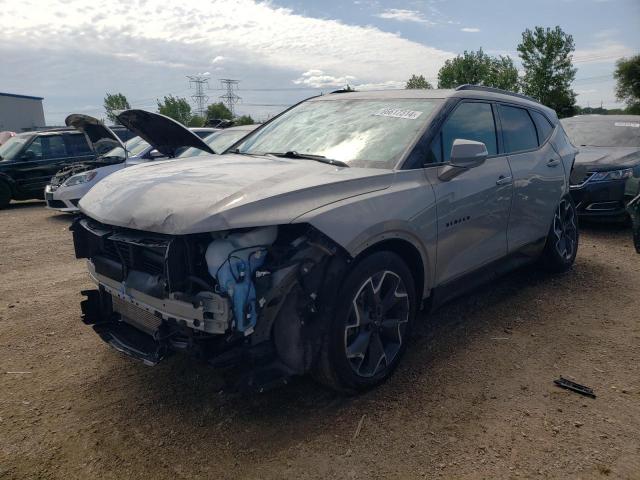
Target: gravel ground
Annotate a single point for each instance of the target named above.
(473, 398)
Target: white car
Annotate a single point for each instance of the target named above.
(69, 185)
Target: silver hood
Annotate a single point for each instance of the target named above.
(100, 137)
(203, 194)
(162, 132)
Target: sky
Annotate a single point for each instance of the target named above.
(71, 52)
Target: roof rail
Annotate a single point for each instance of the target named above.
(343, 90)
(468, 86)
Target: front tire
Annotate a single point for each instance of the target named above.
(371, 326)
(562, 241)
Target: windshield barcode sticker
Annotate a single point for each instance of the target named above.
(627, 124)
(397, 113)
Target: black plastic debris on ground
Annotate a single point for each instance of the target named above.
(575, 387)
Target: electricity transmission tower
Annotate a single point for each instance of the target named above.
(199, 97)
(230, 98)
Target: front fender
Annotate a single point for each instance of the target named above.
(405, 211)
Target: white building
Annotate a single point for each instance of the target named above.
(20, 113)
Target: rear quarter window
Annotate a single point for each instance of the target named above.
(543, 126)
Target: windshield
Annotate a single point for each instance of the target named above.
(218, 141)
(135, 146)
(11, 147)
(358, 132)
(603, 132)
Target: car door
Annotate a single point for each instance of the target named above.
(538, 175)
(29, 165)
(39, 161)
(472, 204)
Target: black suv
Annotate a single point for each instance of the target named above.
(29, 160)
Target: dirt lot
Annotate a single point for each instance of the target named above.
(474, 397)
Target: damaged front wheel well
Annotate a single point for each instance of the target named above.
(409, 254)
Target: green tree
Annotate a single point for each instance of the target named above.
(627, 75)
(548, 68)
(176, 108)
(113, 103)
(217, 111)
(478, 68)
(244, 120)
(418, 82)
(196, 121)
(503, 74)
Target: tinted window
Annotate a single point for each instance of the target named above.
(470, 121)
(518, 129)
(543, 125)
(78, 145)
(34, 151)
(55, 147)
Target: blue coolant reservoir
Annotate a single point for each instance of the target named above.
(232, 261)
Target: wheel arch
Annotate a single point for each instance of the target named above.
(407, 251)
(4, 178)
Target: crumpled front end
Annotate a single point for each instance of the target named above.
(249, 298)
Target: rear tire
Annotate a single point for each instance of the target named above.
(562, 241)
(5, 195)
(372, 323)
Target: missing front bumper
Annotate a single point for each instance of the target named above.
(98, 311)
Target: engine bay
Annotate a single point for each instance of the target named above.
(248, 295)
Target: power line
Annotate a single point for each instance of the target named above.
(230, 98)
(199, 97)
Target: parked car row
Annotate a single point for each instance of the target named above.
(61, 165)
(308, 244)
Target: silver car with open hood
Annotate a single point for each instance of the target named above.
(69, 185)
(311, 244)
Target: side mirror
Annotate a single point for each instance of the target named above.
(468, 153)
(154, 154)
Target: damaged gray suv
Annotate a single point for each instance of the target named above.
(310, 245)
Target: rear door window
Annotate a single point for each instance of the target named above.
(54, 147)
(470, 121)
(518, 129)
(78, 145)
(543, 126)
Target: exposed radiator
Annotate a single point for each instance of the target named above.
(136, 316)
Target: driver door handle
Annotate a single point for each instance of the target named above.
(554, 162)
(503, 180)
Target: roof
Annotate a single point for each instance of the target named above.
(479, 94)
(241, 128)
(15, 95)
(595, 118)
(51, 131)
(203, 129)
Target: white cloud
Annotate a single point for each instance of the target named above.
(402, 15)
(245, 31)
(218, 59)
(318, 79)
(470, 29)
